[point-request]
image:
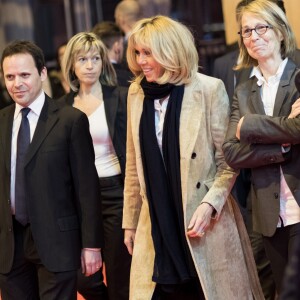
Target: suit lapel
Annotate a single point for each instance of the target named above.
(8, 118)
(111, 106)
(46, 121)
(255, 98)
(283, 89)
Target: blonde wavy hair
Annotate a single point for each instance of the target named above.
(170, 43)
(274, 16)
(84, 42)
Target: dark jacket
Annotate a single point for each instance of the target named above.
(62, 189)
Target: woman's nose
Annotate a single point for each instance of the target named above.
(141, 59)
(89, 63)
(254, 35)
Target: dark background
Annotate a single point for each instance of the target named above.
(55, 21)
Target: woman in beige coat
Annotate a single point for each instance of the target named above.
(180, 223)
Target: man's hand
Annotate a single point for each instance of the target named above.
(91, 261)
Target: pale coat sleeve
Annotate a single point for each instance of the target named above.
(132, 194)
(218, 110)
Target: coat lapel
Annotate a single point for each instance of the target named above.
(283, 89)
(111, 108)
(136, 107)
(46, 121)
(8, 118)
(190, 119)
(255, 98)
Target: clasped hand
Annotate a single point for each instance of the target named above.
(91, 261)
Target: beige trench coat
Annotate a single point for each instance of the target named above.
(218, 256)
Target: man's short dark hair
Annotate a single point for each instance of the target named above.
(108, 32)
(25, 47)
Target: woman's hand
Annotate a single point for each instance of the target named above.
(295, 109)
(129, 237)
(238, 128)
(200, 220)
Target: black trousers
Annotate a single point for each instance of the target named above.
(29, 279)
(291, 282)
(190, 290)
(115, 255)
(279, 249)
(241, 192)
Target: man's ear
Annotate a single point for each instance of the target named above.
(44, 74)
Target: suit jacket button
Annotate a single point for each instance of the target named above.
(9, 229)
(198, 185)
(276, 195)
(194, 155)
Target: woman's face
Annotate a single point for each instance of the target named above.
(88, 67)
(150, 67)
(260, 47)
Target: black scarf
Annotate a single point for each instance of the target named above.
(173, 262)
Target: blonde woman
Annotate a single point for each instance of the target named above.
(178, 217)
(92, 78)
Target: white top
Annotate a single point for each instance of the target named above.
(33, 117)
(289, 209)
(106, 160)
(160, 112)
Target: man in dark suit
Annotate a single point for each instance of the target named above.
(55, 181)
(127, 13)
(113, 38)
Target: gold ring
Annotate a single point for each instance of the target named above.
(201, 233)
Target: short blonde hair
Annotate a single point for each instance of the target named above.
(84, 42)
(171, 45)
(274, 16)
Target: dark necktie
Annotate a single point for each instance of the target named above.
(23, 142)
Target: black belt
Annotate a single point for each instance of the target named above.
(111, 181)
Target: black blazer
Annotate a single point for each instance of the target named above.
(115, 106)
(264, 159)
(124, 76)
(61, 185)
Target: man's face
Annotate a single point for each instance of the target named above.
(22, 80)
